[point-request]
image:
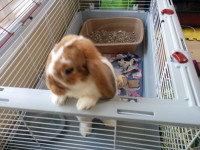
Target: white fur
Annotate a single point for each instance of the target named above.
(85, 128)
(86, 124)
(84, 88)
(73, 40)
(65, 61)
(86, 102)
(55, 56)
(58, 100)
(86, 92)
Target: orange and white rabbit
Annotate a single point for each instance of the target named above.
(76, 69)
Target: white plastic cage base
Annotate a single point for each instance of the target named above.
(165, 119)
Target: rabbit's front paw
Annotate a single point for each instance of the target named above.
(58, 100)
(85, 103)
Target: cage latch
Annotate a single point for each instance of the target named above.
(167, 11)
(180, 57)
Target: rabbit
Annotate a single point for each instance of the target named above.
(75, 68)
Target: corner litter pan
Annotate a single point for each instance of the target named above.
(127, 24)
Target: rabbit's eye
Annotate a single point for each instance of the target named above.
(69, 71)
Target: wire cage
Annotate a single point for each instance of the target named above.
(165, 117)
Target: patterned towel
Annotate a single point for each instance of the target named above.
(135, 74)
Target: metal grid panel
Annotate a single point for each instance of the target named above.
(175, 137)
(163, 77)
(9, 120)
(26, 66)
(115, 4)
(149, 136)
(29, 130)
(172, 137)
(13, 14)
(50, 131)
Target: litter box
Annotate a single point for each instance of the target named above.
(127, 24)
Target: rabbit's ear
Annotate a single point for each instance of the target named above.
(103, 77)
(100, 71)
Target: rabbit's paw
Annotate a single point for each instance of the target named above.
(58, 100)
(85, 103)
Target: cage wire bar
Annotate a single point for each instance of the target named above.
(164, 85)
(28, 63)
(29, 130)
(115, 5)
(14, 13)
(173, 137)
(25, 66)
